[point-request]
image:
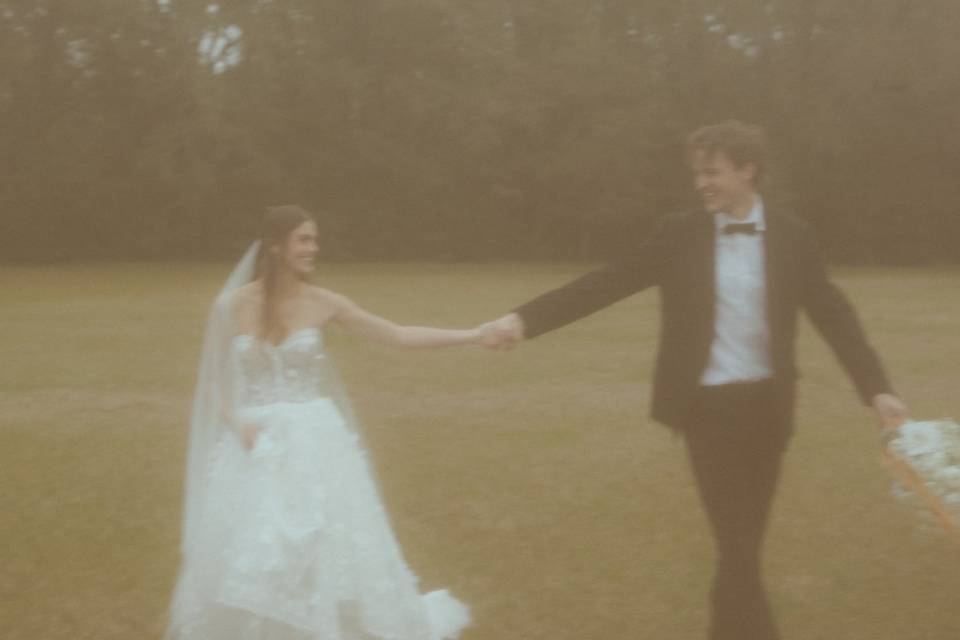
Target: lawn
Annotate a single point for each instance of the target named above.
(530, 483)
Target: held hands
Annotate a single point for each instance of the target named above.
(891, 410)
(504, 333)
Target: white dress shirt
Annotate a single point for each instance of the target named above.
(741, 345)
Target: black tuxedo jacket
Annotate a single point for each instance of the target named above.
(679, 259)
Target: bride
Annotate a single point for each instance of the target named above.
(285, 536)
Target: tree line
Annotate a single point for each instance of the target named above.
(446, 129)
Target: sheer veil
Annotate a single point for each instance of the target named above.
(212, 402)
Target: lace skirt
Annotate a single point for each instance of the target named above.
(297, 544)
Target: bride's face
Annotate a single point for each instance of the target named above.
(301, 249)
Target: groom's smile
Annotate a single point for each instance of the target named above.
(722, 185)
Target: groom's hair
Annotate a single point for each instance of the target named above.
(742, 143)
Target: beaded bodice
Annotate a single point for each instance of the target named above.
(293, 371)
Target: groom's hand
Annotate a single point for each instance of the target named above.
(891, 410)
(504, 333)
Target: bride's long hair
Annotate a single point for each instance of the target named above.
(278, 223)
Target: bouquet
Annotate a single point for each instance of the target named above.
(925, 458)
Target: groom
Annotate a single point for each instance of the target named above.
(732, 278)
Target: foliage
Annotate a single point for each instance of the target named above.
(457, 130)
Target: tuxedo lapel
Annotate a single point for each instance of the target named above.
(704, 277)
(774, 259)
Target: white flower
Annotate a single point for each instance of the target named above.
(932, 450)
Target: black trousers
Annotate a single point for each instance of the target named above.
(735, 438)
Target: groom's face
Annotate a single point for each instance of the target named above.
(722, 185)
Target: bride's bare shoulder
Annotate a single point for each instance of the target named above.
(245, 302)
(247, 294)
(250, 292)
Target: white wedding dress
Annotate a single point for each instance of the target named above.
(295, 540)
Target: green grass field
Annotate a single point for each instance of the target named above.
(531, 483)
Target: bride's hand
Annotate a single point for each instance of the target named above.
(249, 434)
(477, 334)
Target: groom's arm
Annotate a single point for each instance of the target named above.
(597, 289)
(836, 320)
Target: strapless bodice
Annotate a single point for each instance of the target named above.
(293, 371)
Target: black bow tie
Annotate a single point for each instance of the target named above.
(748, 228)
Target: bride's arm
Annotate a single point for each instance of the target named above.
(373, 327)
